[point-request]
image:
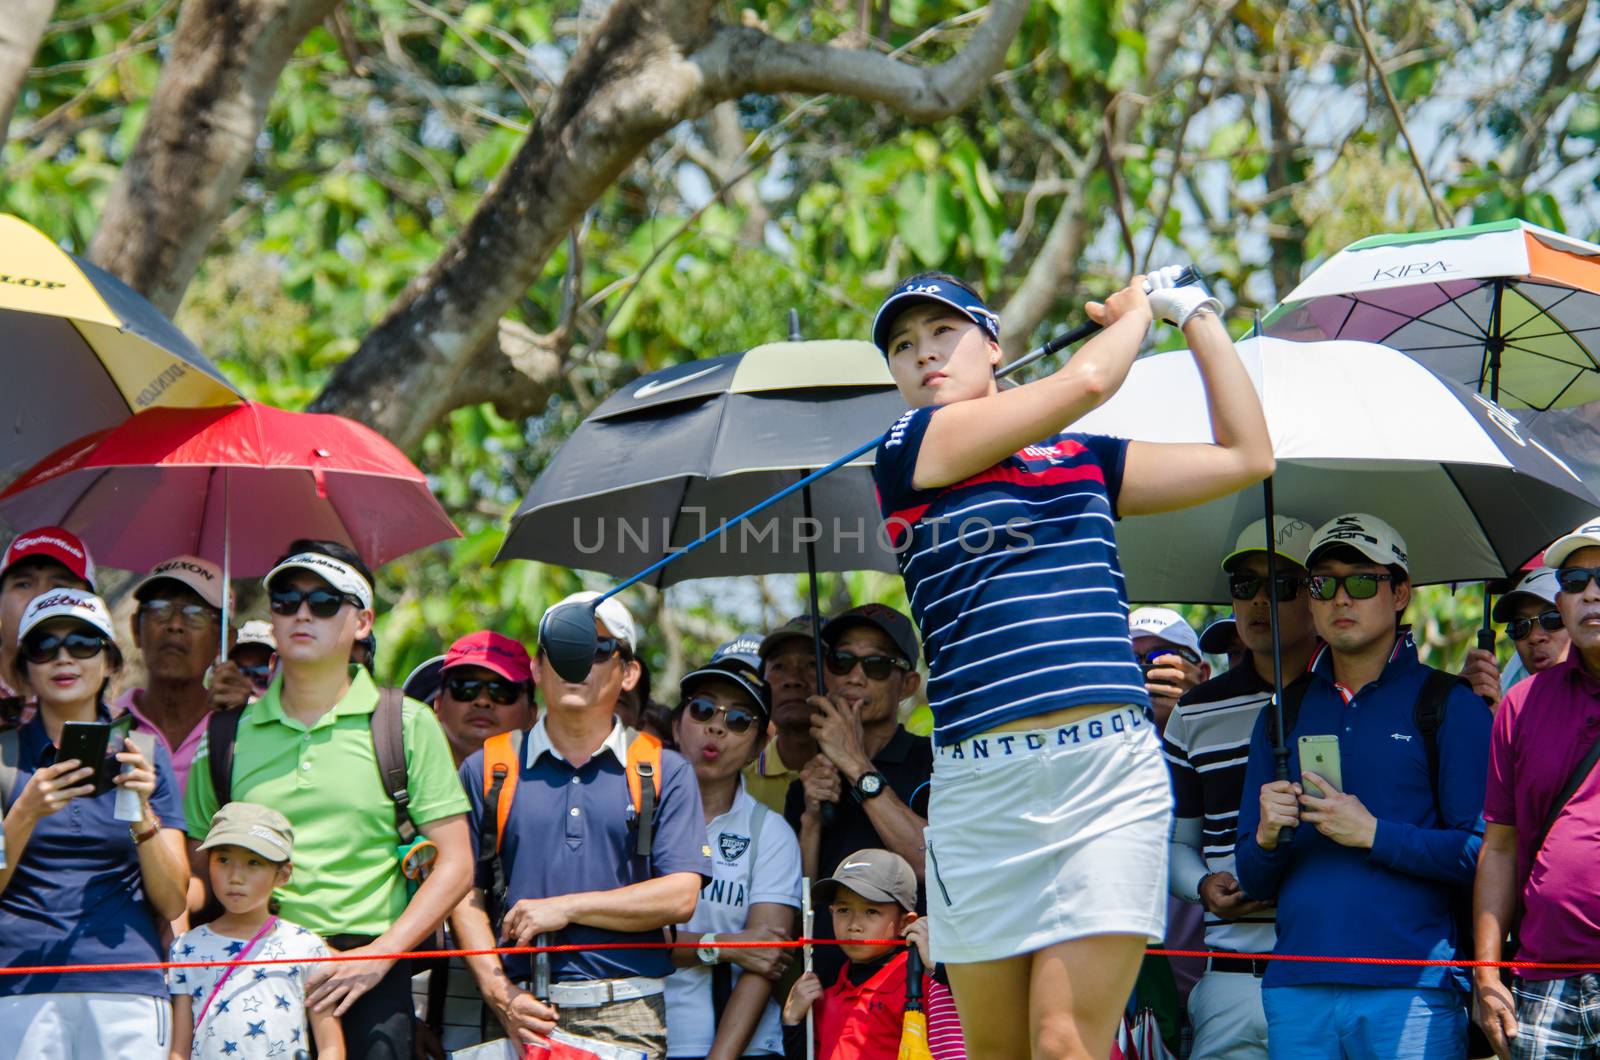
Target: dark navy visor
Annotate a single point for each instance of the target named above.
(914, 292)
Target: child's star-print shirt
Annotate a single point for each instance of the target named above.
(261, 1009)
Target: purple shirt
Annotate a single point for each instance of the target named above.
(183, 754)
(1543, 727)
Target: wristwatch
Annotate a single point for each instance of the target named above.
(707, 951)
(140, 837)
(868, 785)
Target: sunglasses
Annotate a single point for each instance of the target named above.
(1519, 628)
(195, 616)
(44, 648)
(703, 709)
(324, 603)
(1575, 579)
(876, 667)
(1359, 586)
(258, 675)
(466, 689)
(1245, 586)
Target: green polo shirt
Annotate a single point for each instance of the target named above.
(325, 780)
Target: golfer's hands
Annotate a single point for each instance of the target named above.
(1222, 896)
(805, 993)
(821, 782)
(768, 964)
(1280, 809)
(525, 1018)
(1175, 304)
(1483, 674)
(1496, 1010)
(836, 726)
(335, 986)
(1131, 301)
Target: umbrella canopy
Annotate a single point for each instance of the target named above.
(1355, 427)
(1509, 309)
(83, 351)
(680, 450)
(232, 485)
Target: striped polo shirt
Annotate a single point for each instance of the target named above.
(1207, 744)
(1012, 576)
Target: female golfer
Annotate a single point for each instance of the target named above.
(1047, 825)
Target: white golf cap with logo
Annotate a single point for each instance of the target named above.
(1291, 540)
(336, 572)
(202, 576)
(256, 631)
(611, 612)
(1539, 584)
(1585, 536)
(1367, 534)
(1163, 623)
(78, 604)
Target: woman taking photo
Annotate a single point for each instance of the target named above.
(1049, 809)
(81, 884)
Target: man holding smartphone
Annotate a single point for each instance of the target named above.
(1375, 873)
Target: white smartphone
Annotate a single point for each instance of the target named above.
(1320, 755)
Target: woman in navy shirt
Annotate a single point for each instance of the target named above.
(1048, 780)
(80, 886)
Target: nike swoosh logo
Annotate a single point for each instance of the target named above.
(656, 386)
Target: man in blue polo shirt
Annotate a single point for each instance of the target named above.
(570, 861)
(1374, 860)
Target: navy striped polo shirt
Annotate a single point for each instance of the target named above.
(1013, 578)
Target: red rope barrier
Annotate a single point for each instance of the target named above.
(143, 966)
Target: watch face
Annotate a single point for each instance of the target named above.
(871, 784)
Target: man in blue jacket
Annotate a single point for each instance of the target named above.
(1371, 868)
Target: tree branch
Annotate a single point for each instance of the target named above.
(22, 27)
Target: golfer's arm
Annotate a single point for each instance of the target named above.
(1162, 477)
(966, 437)
(1494, 895)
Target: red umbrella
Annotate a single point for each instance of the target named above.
(233, 485)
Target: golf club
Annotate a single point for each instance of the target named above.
(567, 635)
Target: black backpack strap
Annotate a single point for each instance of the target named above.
(1575, 779)
(389, 745)
(1428, 716)
(222, 731)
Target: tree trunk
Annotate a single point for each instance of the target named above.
(198, 139)
(22, 25)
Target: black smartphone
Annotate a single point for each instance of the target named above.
(87, 742)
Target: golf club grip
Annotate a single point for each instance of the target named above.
(1190, 275)
(1280, 769)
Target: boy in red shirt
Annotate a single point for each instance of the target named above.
(870, 896)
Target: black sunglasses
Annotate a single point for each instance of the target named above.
(325, 603)
(1245, 586)
(1519, 628)
(258, 675)
(1576, 579)
(42, 648)
(702, 709)
(1360, 586)
(876, 667)
(466, 689)
(195, 616)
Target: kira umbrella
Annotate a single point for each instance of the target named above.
(83, 351)
(233, 485)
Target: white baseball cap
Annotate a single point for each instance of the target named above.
(336, 572)
(1539, 584)
(256, 631)
(1163, 623)
(1291, 540)
(203, 576)
(1585, 536)
(1367, 534)
(80, 604)
(612, 613)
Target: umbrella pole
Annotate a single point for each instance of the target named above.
(1280, 746)
(807, 922)
(1495, 345)
(227, 570)
(816, 613)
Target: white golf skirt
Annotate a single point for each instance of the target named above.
(1042, 836)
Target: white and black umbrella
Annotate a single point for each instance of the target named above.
(1355, 426)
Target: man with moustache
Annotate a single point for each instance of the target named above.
(789, 668)
(571, 867)
(1207, 744)
(1375, 872)
(1542, 839)
(1534, 627)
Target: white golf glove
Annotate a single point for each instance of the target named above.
(1174, 304)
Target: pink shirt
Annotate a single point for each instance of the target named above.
(183, 754)
(1543, 727)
